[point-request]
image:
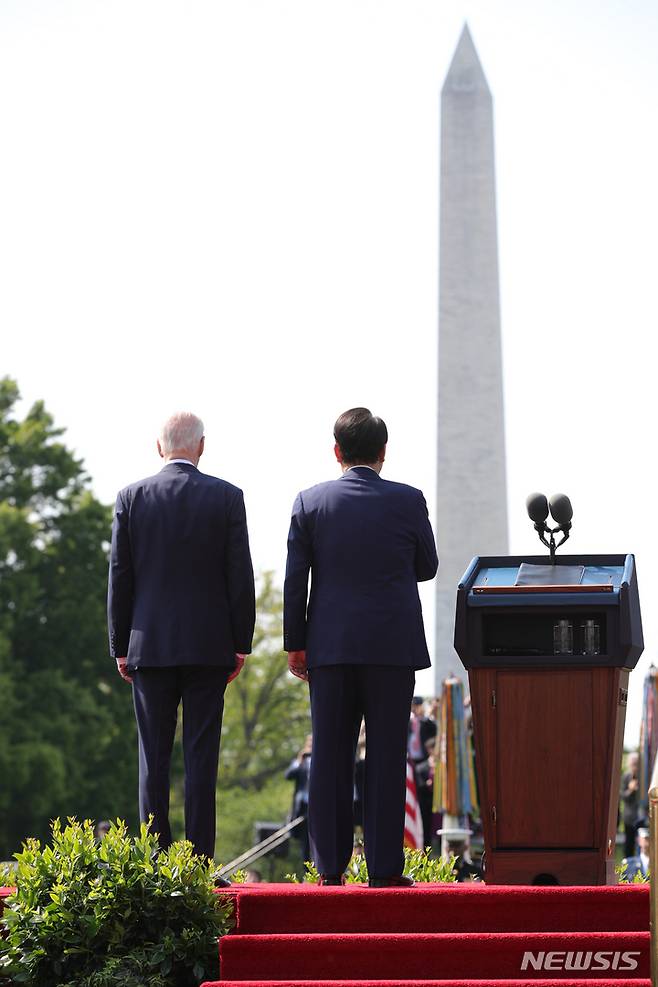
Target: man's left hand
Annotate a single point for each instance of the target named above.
(239, 662)
(122, 666)
(297, 664)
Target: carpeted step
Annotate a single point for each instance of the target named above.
(441, 956)
(428, 983)
(301, 908)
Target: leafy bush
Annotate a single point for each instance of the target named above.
(418, 864)
(423, 867)
(119, 911)
(638, 878)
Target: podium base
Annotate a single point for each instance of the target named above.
(573, 868)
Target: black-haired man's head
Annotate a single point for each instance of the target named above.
(361, 438)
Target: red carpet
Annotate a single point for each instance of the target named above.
(411, 956)
(430, 983)
(437, 936)
(272, 908)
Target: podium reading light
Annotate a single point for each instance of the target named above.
(561, 511)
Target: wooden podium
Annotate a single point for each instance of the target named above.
(548, 657)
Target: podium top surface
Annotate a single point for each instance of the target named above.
(531, 580)
(534, 593)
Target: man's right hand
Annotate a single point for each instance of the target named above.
(122, 666)
(239, 662)
(297, 664)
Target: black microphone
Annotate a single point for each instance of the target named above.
(537, 508)
(561, 510)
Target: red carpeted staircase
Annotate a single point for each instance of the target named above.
(437, 936)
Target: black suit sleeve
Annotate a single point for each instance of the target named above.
(120, 583)
(295, 590)
(427, 560)
(239, 574)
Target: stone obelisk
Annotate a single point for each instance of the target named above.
(471, 515)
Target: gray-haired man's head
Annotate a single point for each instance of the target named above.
(181, 437)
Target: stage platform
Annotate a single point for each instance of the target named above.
(436, 935)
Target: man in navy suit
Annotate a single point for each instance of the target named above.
(181, 612)
(358, 639)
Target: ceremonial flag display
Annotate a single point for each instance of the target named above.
(413, 824)
(455, 791)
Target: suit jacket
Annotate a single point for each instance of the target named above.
(181, 584)
(367, 542)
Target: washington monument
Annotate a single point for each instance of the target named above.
(472, 493)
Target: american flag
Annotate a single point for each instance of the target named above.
(413, 824)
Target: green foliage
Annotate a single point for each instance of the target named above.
(67, 733)
(423, 867)
(357, 869)
(418, 864)
(312, 874)
(94, 914)
(622, 876)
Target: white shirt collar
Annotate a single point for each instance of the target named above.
(188, 461)
(360, 466)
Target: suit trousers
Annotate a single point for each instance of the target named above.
(157, 694)
(341, 696)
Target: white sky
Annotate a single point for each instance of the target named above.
(233, 207)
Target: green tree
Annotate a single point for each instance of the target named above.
(67, 734)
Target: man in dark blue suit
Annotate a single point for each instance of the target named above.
(358, 639)
(181, 612)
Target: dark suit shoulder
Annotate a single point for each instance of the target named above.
(317, 491)
(127, 494)
(403, 489)
(330, 489)
(166, 476)
(229, 488)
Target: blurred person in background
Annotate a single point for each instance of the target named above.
(101, 829)
(630, 797)
(299, 772)
(638, 864)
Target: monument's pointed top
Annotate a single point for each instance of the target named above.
(465, 70)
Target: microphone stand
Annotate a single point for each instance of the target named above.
(542, 530)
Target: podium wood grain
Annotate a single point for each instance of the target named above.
(548, 750)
